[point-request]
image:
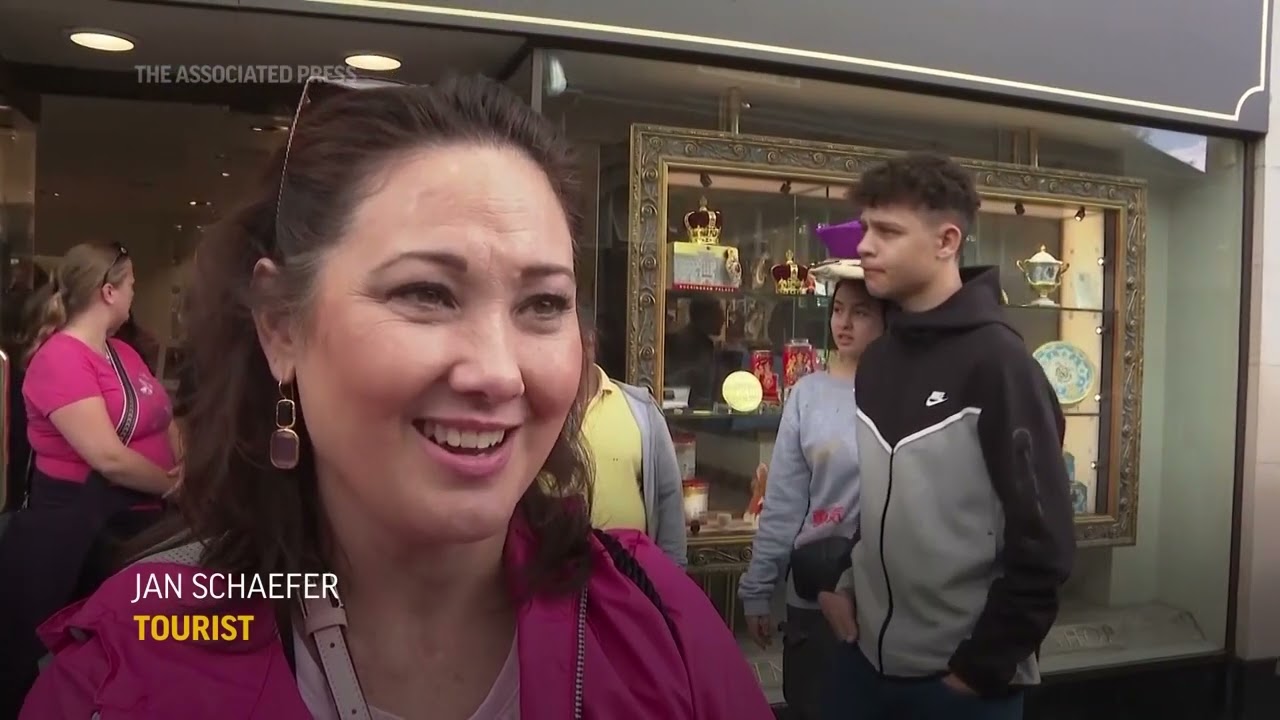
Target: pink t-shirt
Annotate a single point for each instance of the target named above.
(65, 370)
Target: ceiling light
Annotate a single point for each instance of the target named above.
(99, 40)
(226, 174)
(373, 63)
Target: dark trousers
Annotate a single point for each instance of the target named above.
(855, 691)
(54, 552)
(807, 648)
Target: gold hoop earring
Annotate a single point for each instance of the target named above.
(285, 448)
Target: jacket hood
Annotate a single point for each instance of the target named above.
(975, 304)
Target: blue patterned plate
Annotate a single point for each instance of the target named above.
(1068, 369)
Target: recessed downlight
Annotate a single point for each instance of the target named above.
(372, 63)
(101, 40)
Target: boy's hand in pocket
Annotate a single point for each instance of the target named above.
(837, 608)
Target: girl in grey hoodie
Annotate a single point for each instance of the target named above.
(811, 494)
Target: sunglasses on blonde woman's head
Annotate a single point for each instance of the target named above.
(121, 253)
(314, 85)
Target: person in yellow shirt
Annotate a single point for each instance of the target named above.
(637, 476)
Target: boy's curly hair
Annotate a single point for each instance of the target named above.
(924, 181)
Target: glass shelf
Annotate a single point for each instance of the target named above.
(735, 312)
(754, 293)
(1056, 309)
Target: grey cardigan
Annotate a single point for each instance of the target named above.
(660, 471)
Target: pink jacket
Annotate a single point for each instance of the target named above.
(634, 666)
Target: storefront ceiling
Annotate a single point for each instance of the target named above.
(1202, 64)
(813, 104)
(35, 32)
(127, 170)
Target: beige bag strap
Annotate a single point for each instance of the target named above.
(324, 621)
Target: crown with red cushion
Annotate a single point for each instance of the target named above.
(704, 225)
(790, 277)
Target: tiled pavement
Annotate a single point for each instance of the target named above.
(768, 666)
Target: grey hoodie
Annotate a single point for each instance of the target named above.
(660, 471)
(813, 487)
(967, 530)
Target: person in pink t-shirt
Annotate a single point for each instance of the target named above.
(104, 446)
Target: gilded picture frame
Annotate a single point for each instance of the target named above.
(656, 150)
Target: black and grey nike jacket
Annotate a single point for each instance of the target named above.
(967, 530)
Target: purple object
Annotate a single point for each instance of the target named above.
(842, 240)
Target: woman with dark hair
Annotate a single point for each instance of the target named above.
(390, 374)
(810, 513)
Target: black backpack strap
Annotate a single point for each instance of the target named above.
(629, 566)
(284, 626)
(129, 417)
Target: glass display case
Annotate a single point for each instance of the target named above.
(721, 238)
(1052, 261)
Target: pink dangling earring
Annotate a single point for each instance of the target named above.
(286, 446)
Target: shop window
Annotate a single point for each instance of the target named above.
(1142, 229)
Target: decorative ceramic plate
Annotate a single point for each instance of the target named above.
(1068, 369)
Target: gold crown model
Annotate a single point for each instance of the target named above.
(790, 277)
(704, 225)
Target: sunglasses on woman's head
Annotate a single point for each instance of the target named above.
(121, 253)
(309, 90)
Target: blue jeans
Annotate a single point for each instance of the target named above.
(855, 691)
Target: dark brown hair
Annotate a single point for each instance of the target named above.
(252, 517)
(922, 181)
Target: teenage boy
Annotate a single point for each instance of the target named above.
(967, 532)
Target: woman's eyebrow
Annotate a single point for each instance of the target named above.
(448, 260)
(539, 271)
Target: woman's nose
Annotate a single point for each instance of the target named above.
(488, 365)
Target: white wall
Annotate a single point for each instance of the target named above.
(1201, 391)
(1182, 556)
(1258, 632)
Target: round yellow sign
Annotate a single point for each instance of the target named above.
(742, 391)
